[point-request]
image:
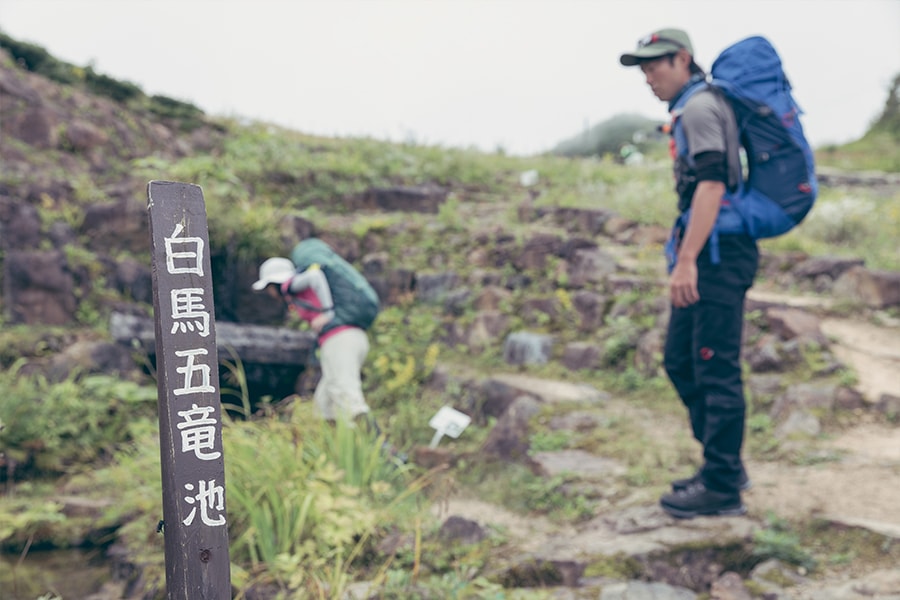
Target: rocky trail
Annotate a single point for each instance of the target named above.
(850, 481)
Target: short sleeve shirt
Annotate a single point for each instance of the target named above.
(709, 126)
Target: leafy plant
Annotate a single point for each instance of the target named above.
(21, 520)
(778, 541)
(52, 427)
(760, 423)
(284, 503)
(620, 342)
(403, 352)
(311, 497)
(556, 499)
(547, 441)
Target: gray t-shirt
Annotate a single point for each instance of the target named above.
(709, 126)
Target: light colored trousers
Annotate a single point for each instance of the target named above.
(339, 393)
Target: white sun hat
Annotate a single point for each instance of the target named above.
(274, 270)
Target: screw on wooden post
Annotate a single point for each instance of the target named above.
(190, 410)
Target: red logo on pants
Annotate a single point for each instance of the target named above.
(707, 353)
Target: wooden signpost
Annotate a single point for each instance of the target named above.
(190, 411)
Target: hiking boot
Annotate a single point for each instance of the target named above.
(679, 485)
(697, 501)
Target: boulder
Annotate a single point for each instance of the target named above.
(806, 396)
(540, 311)
(831, 266)
(509, 439)
(537, 249)
(461, 531)
(83, 136)
(434, 287)
(89, 357)
(20, 225)
(790, 323)
(420, 199)
(729, 586)
(590, 267)
(485, 330)
(581, 355)
(591, 309)
(527, 348)
(875, 289)
(491, 298)
(38, 127)
(645, 590)
(124, 224)
(38, 288)
(582, 220)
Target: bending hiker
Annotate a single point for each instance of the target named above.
(710, 273)
(324, 290)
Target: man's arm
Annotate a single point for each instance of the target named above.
(704, 210)
(703, 121)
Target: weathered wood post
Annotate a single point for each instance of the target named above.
(190, 411)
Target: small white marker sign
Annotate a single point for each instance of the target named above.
(448, 421)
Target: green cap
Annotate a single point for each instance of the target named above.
(659, 43)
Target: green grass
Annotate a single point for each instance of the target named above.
(876, 151)
(265, 174)
(55, 428)
(863, 225)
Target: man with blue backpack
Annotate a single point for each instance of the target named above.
(712, 253)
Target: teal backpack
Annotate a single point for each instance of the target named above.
(355, 302)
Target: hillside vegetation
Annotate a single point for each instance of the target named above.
(321, 509)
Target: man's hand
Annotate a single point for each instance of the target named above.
(704, 210)
(683, 284)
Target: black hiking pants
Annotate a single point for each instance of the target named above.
(702, 358)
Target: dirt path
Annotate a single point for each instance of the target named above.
(860, 486)
(873, 351)
(861, 483)
(855, 479)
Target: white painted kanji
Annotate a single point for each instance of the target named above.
(190, 370)
(198, 432)
(209, 497)
(188, 260)
(189, 314)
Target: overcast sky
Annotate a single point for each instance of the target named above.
(517, 74)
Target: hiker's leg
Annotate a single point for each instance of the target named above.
(678, 359)
(345, 352)
(722, 288)
(718, 370)
(323, 394)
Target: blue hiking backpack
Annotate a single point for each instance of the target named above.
(781, 186)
